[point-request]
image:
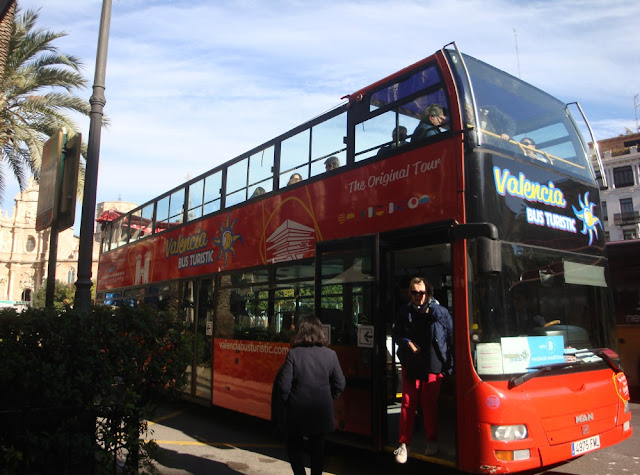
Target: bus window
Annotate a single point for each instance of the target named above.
(293, 297)
(294, 156)
(539, 293)
(147, 220)
(260, 171)
(119, 232)
(293, 302)
(236, 183)
(133, 297)
(104, 243)
(396, 92)
(176, 207)
(162, 214)
(243, 306)
(327, 139)
(135, 225)
(376, 134)
(510, 111)
(212, 187)
(346, 293)
(196, 190)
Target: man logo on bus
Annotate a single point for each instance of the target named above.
(589, 220)
(493, 402)
(227, 239)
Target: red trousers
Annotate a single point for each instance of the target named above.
(427, 392)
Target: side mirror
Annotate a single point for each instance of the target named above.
(489, 256)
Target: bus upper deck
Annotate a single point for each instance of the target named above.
(535, 126)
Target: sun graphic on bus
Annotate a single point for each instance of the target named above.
(589, 220)
(226, 240)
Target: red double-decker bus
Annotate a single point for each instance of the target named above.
(449, 169)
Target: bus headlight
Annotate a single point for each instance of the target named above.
(515, 432)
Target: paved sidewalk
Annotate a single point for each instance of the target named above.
(199, 440)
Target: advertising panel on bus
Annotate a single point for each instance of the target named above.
(532, 206)
(411, 189)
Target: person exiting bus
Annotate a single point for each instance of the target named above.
(423, 332)
(308, 382)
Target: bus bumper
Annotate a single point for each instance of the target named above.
(562, 452)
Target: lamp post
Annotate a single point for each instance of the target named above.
(97, 101)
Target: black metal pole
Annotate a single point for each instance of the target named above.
(97, 101)
(53, 262)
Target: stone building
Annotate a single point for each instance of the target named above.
(24, 252)
(621, 200)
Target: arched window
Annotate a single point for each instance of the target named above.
(26, 295)
(71, 276)
(31, 244)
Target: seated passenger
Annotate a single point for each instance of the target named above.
(496, 122)
(526, 318)
(332, 163)
(258, 191)
(431, 122)
(295, 178)
(399, 136)
(530, 150)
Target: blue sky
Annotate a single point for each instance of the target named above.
(193, 83)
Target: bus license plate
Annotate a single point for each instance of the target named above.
(585, 445)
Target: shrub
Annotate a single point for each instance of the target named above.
(78, 388)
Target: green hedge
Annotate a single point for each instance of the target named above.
(77, 389)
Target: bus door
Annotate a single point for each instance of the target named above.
(197, 308)
(398, 266)
(346, 304)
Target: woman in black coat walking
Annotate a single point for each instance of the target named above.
(309, 381)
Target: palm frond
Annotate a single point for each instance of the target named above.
(37, 94)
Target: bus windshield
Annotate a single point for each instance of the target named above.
(545, 307)
(520, 119)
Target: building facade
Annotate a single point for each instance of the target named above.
(621, 200)
(24, 252)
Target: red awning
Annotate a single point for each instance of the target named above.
(108, 216)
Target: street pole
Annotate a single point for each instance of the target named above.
(97, 101)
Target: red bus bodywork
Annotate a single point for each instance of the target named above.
(423, 185)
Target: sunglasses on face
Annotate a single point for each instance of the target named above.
(415, 293)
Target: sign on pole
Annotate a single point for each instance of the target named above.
(66, 215)
(49, 173)
(59, 181)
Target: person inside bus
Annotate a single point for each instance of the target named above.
(288, 329)
(526, 318)
(308, 382)
(295, 178)
(258, 191)
(431, 123)
(496, 122)
(399, 138)
(529, 149)
(331, 163)
(423, 332)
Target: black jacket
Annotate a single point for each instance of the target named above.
(308, 382)
(432, 332)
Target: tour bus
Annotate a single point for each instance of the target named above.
(449, 169)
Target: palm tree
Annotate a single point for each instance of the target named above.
(36, 96)
(7, 15)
